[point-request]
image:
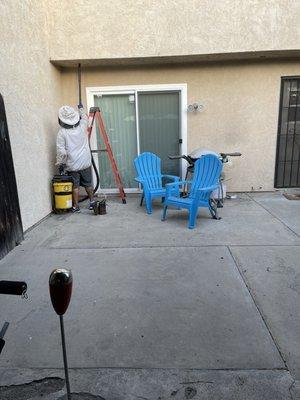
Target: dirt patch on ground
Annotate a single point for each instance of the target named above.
(39, 388)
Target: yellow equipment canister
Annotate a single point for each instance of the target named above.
(62, 192)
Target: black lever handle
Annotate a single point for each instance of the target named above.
(60, 285)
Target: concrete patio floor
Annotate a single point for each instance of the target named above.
(160, 311)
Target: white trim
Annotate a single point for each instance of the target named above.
(144, 88)
(134, 89)
(113, 92)
(137, 125)
(137, 122)
(116, 191)
(183, 130)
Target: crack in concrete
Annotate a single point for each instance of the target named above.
(257, 307)
(291, 388)
(195, 382)
(81, 396)
(273, 215)
(150, 369)
(25, 316)
(170, 247)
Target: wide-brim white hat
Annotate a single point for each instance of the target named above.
(68, 115)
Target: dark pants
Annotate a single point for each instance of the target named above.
(82, 178)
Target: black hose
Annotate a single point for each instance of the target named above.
(93, 161)
(97, 179)
(97, 175)
(79, 83)
(95, 170)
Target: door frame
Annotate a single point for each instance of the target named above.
(280, 113)
(181, 88)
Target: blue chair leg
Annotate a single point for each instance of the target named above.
(192, 217)
(163, 218)
(148, 204)
(213, 209)
(142, 199)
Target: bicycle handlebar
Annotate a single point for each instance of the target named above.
(13, 287)
(235, 154)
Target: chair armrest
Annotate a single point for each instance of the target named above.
(209, 188)
(175, 178)
(143, 182)
(173, 185)
(177, 183)
(140, 180)
(204, 193)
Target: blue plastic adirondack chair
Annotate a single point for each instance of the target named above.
(148, 167)
(207, 172)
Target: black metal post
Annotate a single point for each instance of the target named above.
(79, 83)
(63, 342)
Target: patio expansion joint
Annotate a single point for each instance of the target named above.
(169, 247)
(258, 309)
(61, 369)
(273, 215)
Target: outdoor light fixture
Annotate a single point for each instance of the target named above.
(131, 98)
(195, 107)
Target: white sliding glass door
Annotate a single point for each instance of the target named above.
(159, 127)
(118, 112)
(136, 121)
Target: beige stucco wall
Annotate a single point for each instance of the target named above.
(240, 99)
(91, 30)
(241, 102)
(31, 89)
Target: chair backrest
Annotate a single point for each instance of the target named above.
(207, 172)
(148, 167)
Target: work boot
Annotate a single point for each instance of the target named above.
(91, 206)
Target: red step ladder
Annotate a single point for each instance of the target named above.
(95, 114)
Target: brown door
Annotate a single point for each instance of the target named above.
(11, 232)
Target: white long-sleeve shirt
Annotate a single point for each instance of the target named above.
(72, 146)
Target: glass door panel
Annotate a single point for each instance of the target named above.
(118, 112)
(159, 127)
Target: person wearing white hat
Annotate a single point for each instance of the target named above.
(73, 151)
